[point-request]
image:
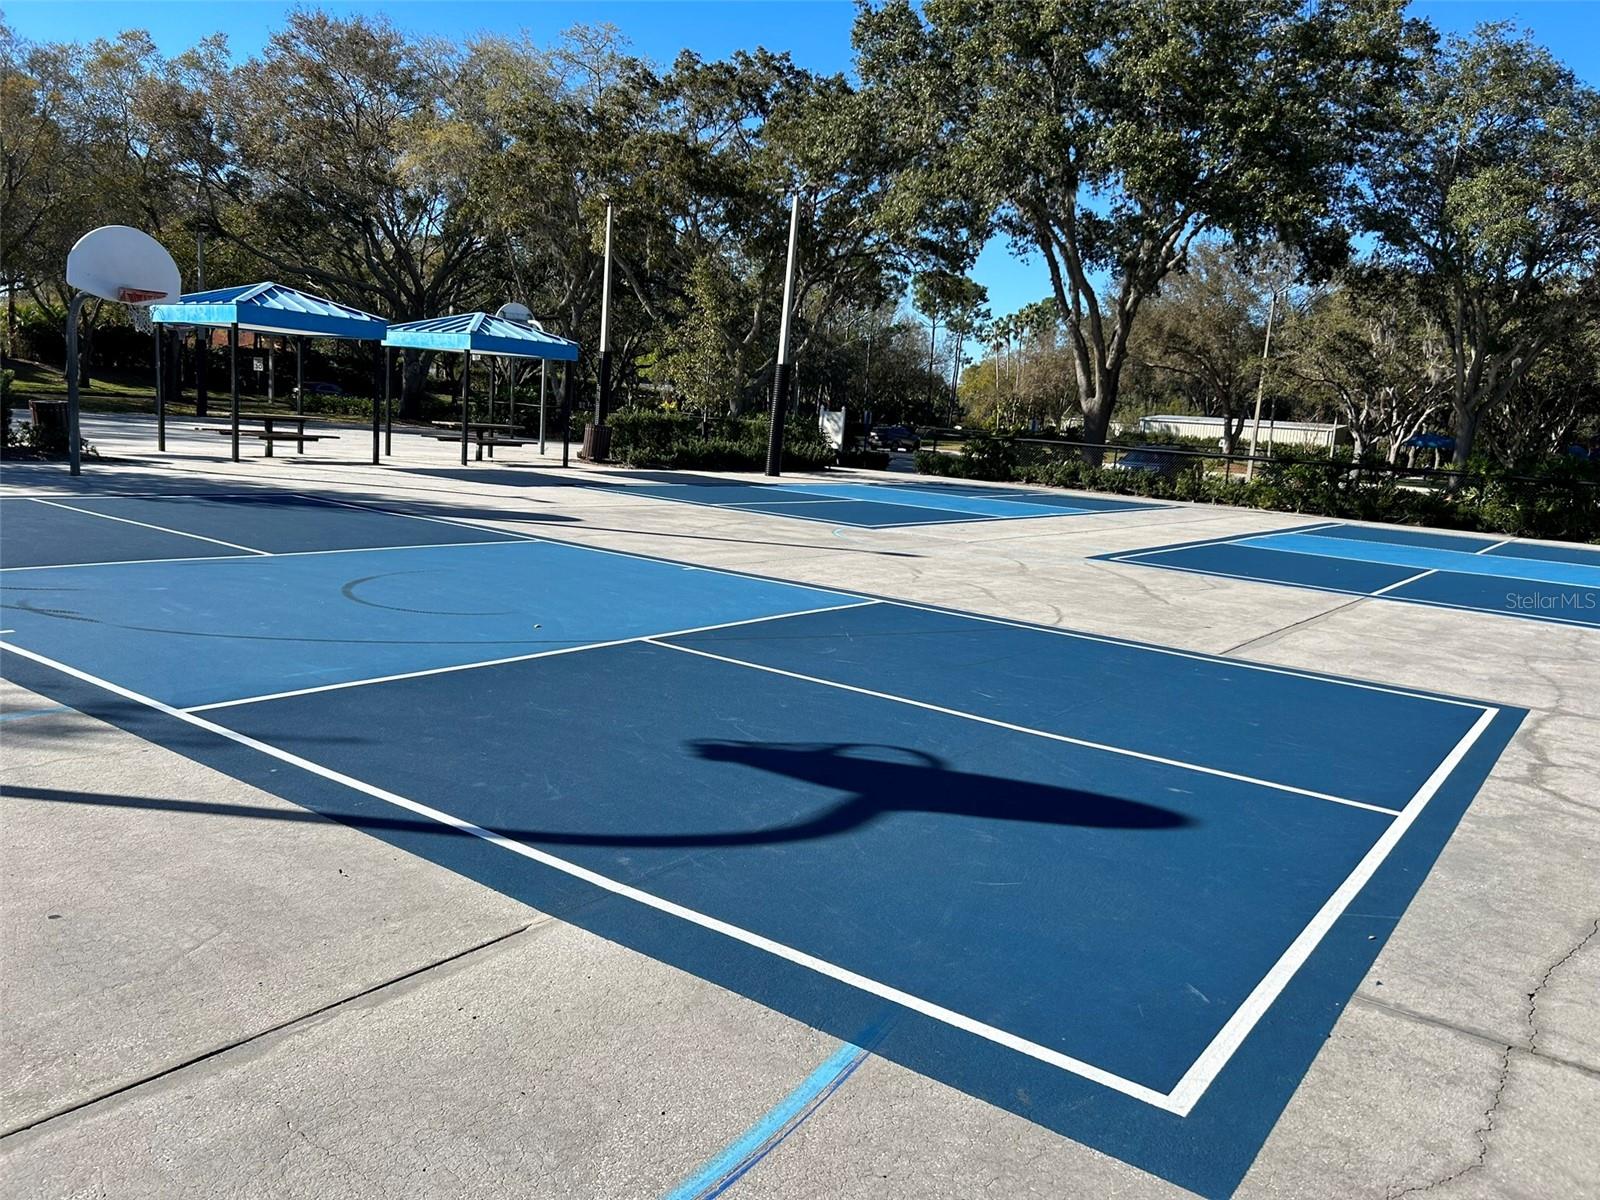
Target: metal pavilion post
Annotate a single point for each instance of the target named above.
(388, 401)
(202, 355)
(566, 412)
(233, 372)
(466, 381)
(544, 379)
(780, 377)
(300, 375)
(161, 391)
(377, 416)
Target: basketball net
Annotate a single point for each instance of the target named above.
(139, 299)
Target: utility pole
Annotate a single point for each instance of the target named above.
(1261, 387)
(780, 377)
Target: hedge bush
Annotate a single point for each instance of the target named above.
(677, 442)
(1559, 500)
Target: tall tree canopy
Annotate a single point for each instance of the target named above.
(1488, 196)
(1106, 135)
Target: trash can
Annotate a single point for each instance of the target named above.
(596, 443)
(49, 419)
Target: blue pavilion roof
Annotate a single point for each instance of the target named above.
(272, 308)
(481, 333)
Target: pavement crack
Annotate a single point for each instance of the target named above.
(288, 1023)
(1533, 996)
(1486, 1126)
(1483, 1133)
(1274, 635)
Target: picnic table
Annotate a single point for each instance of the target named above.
(482, 433)
(269, 434)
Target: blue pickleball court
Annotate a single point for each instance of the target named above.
(1119, 889)
(1535, 580)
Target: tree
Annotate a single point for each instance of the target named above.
(1206, 328)
(1555, 403)
(1372, 349)
(1106, 135)
(363, 192)
(959, 302)
(1489, 196)
(740, 137)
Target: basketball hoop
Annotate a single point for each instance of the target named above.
(114, 262)
(117, 262)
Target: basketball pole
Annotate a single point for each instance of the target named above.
(74, 308)
(780, 377)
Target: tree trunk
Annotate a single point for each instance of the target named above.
(1098, 400)
(1465, 430)
(85, 355)
(413, 374)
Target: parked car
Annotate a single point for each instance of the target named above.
(893, 437)
(321, 389)
(1154, 459)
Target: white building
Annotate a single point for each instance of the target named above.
(1273, 433)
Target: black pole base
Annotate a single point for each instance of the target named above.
(602, 402)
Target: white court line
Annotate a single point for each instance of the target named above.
(821, 966)
(510, 533)
(1238, 663)
(1040, 733)
(1180, 1101)
(1135, 555)
(1199, 1077)
(262, 495)
(515, 658)
(89, 512)
(233, 558)
(771, 503)
(1434, 570)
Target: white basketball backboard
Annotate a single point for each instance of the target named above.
(514, 311)
(117, 262)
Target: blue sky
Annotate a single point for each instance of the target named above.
(815, 32)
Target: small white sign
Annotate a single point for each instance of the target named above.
(260, 364)
(832, 426)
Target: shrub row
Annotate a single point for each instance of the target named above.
(674, 441)
(1558, 500)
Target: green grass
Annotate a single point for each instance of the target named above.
(116, 392)
(36, 382)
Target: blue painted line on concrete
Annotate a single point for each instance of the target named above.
(762, 1138)
(24, 714)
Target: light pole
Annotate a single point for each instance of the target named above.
(1261, 387)
(780, 377)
